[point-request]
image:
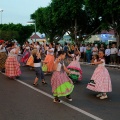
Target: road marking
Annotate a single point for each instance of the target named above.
(65, 103)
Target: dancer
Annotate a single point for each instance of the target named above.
(61, 83)
(12, 66)
(49, 59)
(3, 57)
(37, 65)
(94, 60)
(30, 61)
(101, 78)
(26, 53)
(74, 67)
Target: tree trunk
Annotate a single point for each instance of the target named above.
(76, 30)
(117, 36)
(118, 39)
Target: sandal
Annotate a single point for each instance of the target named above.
(44, 82)
(35, 84)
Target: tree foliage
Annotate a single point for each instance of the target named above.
(62, 16)
(108, 11)
(15, 32)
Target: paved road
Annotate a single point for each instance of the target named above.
(19, 100)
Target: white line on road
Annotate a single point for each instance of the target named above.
(65, 103)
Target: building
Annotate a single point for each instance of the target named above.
(65, 39)
(105, 36)
(37, 37)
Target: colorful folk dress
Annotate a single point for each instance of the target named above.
(12, 66)
(25, 56)
(101, 79)
(75, 69)
(61, 83)
(49, 59)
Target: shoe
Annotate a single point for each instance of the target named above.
(99, 95)
(35, 84)
(68, 98)
(12, 78)
(44, 83)
(3, 70)
(57, 101)
(103, 97)
(74, 82)
(17, 77)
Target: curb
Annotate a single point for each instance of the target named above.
(107, 65)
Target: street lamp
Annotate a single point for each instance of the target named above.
(1, 15)
(33, 22)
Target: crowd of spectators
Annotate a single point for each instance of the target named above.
(112, 53)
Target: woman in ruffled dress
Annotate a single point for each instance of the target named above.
(26, 53)
(100, 81)
(49, 59)
(62, 85)
(74, 66)
(12, 66)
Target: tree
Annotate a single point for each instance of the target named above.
(109, 13)
(15, 32)
(45, 23)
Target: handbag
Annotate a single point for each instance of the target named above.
(44, 67)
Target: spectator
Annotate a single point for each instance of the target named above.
(119, 55)
(102, 48)
(59, 47)
(113, 54)
(82, 52)
(107, 55)
(95, 50)
(88, 53)
(85, 52)
(66, 49)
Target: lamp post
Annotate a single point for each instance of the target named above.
(33, 22)
(1, 15)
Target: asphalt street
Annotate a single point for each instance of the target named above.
(19, 100)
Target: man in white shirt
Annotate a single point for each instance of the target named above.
(85, 53)
(59, 48)
(82, 52)
(107, 55)
(113, 54)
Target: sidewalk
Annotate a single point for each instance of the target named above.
(107, 65)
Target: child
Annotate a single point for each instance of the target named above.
(74, 67)
(37, 66)
(94, 59)
(61, 83)
(101, 78)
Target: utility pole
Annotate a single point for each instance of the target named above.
(35, 30)
(1, 15)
